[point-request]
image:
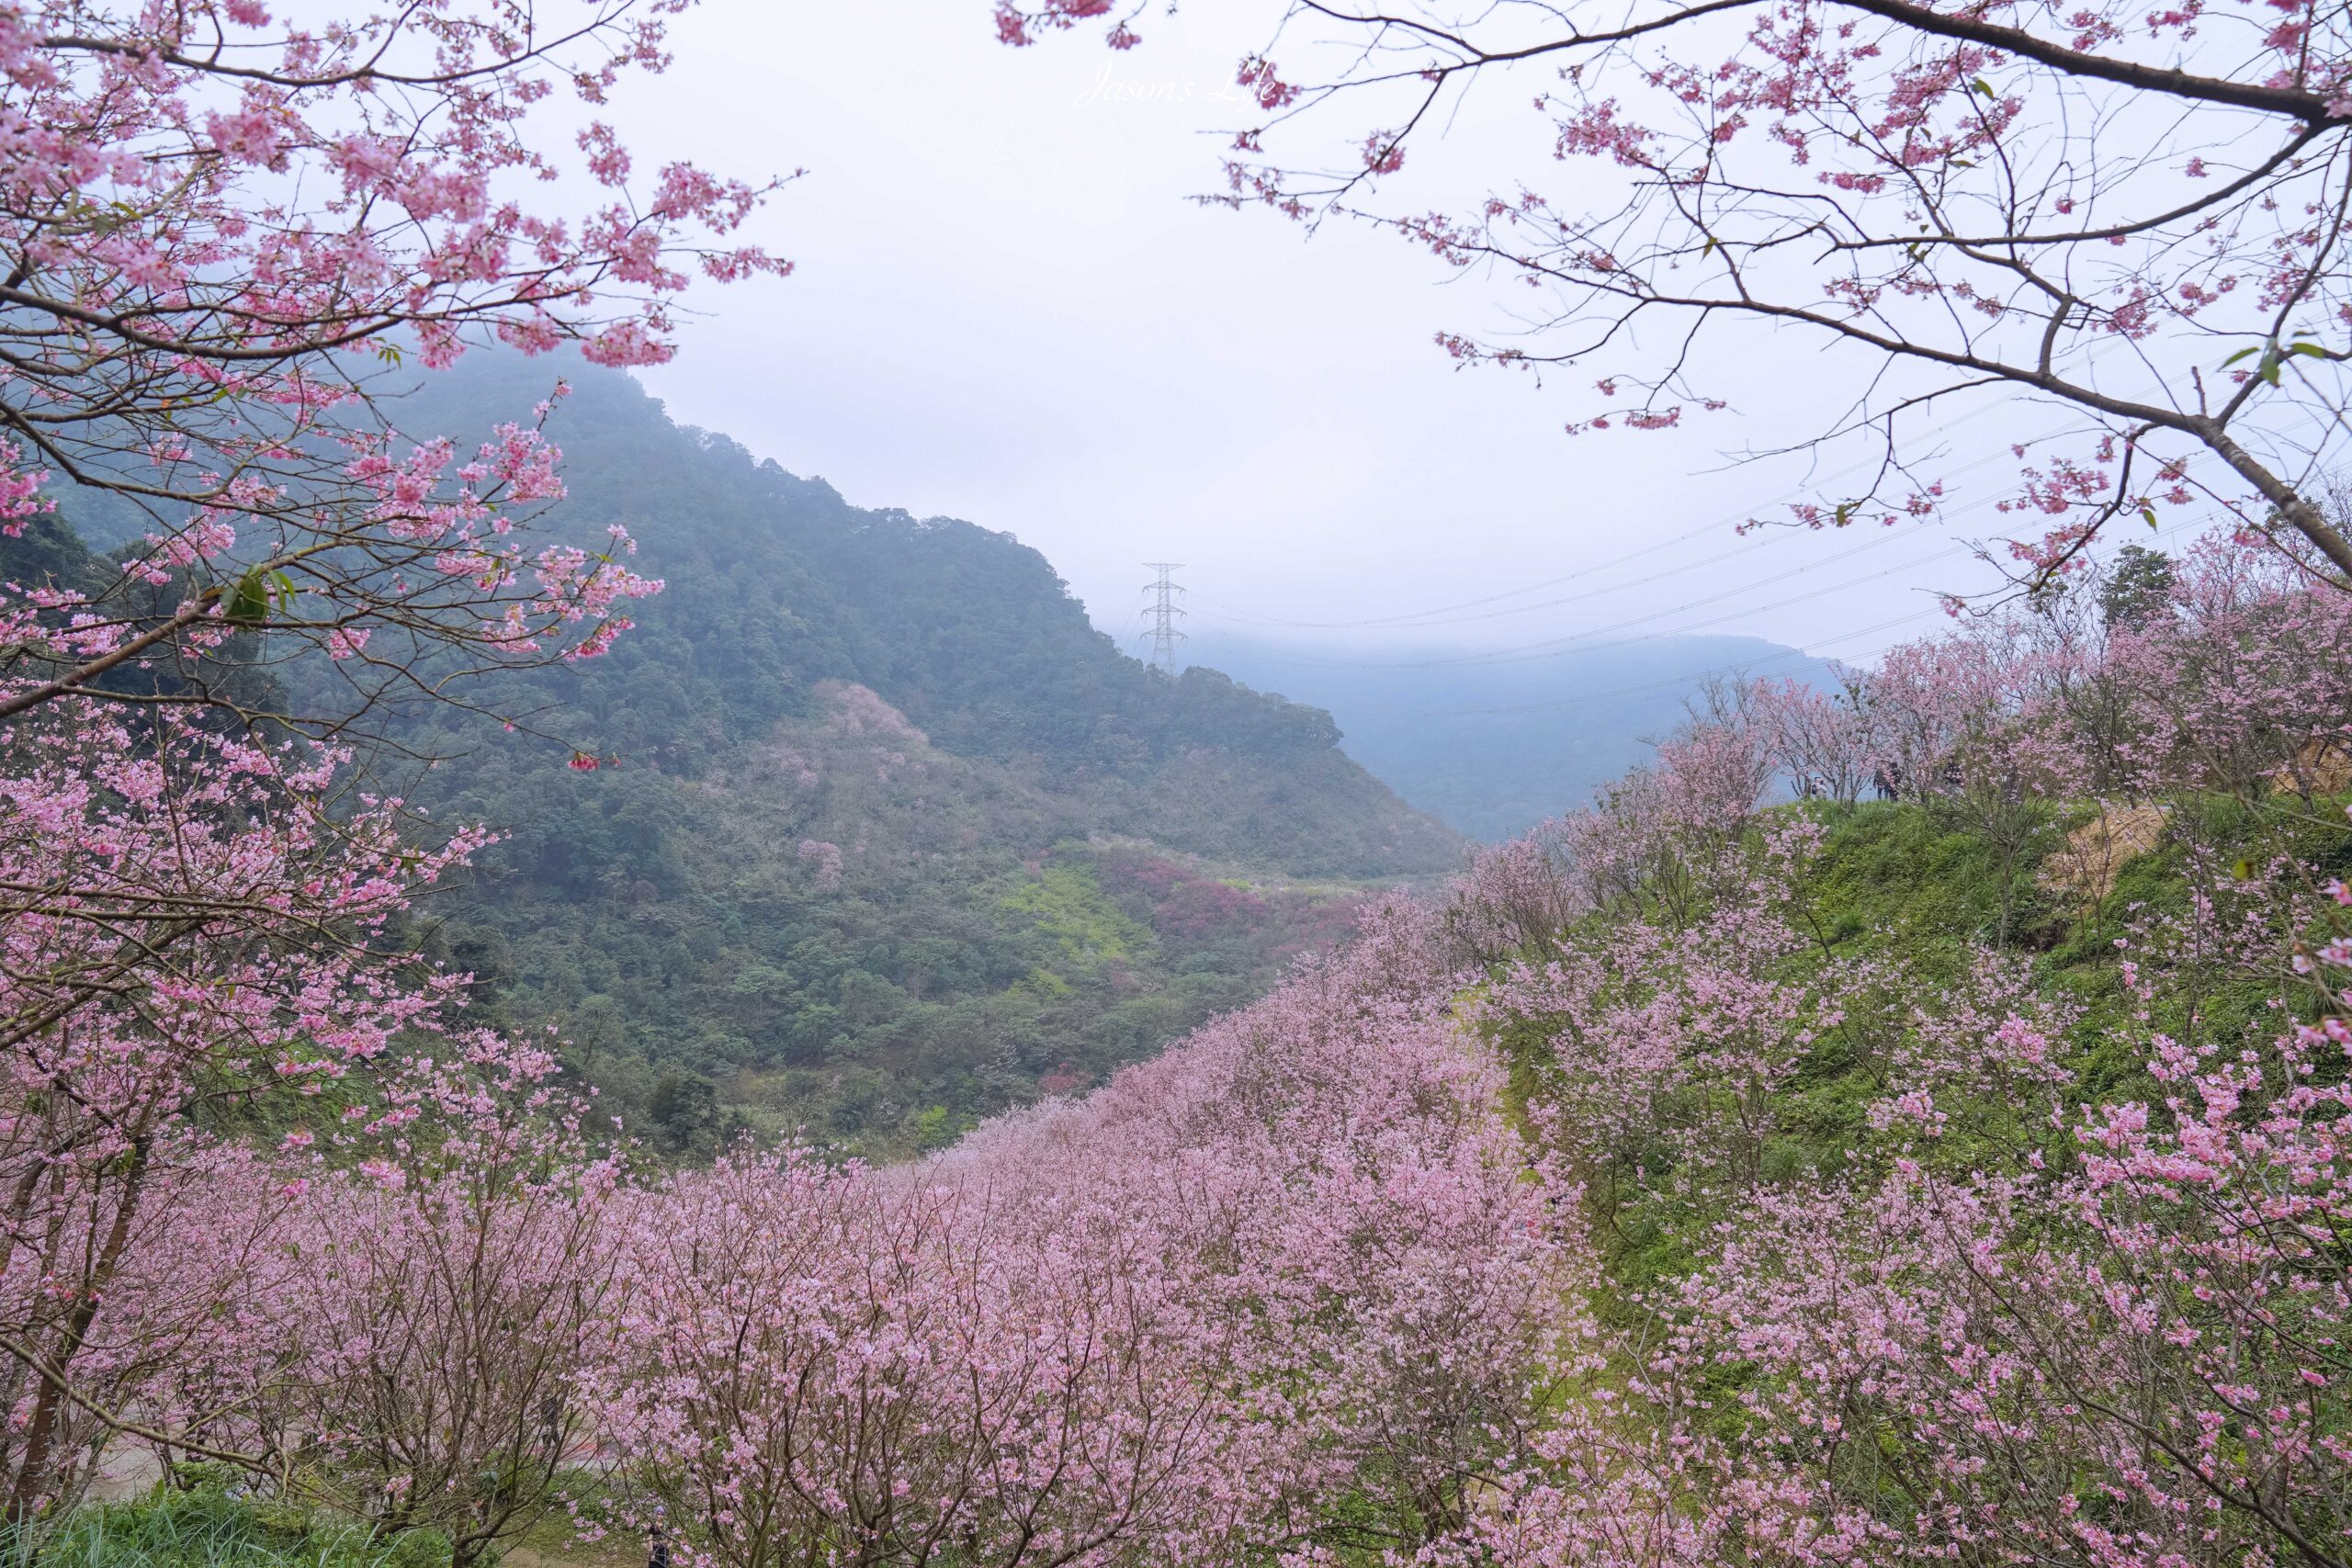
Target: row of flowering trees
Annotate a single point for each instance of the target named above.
(1286, 1286)
(272, 1208)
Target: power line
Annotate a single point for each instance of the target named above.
(1662, 685)
(1576, 643)
(1880, 538)
(1164, 611)
(1420, 619)
(1415, 619)
(1412, 619)
(1743, 667)
(1572, 644)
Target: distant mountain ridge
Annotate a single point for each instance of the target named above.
(1493, 743)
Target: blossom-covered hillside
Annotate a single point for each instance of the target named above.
(1951, 1165)
(1907, 1121)
(1936, 1168)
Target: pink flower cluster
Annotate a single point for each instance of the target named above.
(1301, 1255)
(2135, 214)
(293, 206)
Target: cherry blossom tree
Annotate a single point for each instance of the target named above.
(826, 1364)
(2134, 1361)
(1285, 1290)
(226, 231)
(1373, 1259)
(189, 937)
(2132, 216)
(1513, 895)
(228, 234)
(451, 1238)
(1822, 739)
(2240, 684)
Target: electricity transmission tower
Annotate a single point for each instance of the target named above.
(1163, 611)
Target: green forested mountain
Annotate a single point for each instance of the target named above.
(889, 834)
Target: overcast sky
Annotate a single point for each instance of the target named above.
(1006, 311)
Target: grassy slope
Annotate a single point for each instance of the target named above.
(1912, 885)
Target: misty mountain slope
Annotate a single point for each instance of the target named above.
(894, 837)
(1491, 745)
(776, 584)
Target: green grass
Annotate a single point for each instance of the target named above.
(1084, 930)
(1920, 887)
(1908, 877)
(213, 1528)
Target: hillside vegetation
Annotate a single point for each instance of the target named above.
(475, 1092)
(1963, 1175)
(880, 836)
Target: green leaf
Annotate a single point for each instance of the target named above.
(282, 591)
(2242, 354)
(249, 600)
(2314, 350)
(2149, 514)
